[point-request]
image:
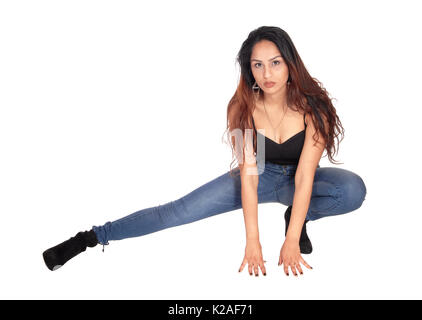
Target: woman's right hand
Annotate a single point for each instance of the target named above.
(253, 257)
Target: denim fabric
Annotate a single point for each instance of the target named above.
(335, 191)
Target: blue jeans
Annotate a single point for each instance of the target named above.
(335, 191)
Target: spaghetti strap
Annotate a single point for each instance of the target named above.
(304, 115)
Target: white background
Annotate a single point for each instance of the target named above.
(109, 107)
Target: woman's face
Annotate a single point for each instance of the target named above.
(267, 65)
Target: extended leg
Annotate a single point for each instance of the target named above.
(223, 194)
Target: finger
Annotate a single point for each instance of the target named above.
(263, 269)
(280, 261)
(256, 269)
(286, 269)
(305, 263)
(293, 268)
(250, 266)
(299, 268)
(242, 265)
(264, 272)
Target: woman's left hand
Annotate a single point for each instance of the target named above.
(290, 256)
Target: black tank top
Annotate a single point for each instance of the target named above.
(285, 153)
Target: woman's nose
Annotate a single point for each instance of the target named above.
(267, 73)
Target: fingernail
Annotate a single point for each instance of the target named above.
(256, 275)
(265, 274)
(287, 274)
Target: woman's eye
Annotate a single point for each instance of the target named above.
(256, 64)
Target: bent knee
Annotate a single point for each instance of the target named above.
(354, 192)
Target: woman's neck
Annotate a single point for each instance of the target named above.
(274, 103)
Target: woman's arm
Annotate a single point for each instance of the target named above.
(249, 189)
(249, 193)
(301, 201)
(304, 179)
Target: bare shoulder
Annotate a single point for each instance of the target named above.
(308, 119)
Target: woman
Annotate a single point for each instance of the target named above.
(286, 117)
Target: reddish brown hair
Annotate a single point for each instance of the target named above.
(304, 91)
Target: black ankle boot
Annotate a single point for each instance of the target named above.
(304, 242)
(57, 256)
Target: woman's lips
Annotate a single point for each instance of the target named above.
(269, 84)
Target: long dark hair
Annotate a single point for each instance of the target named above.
(304, 91)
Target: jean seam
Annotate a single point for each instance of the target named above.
(278, 184)
(338, 194)
(140, 214)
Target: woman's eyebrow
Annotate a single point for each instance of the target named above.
(268, 59)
